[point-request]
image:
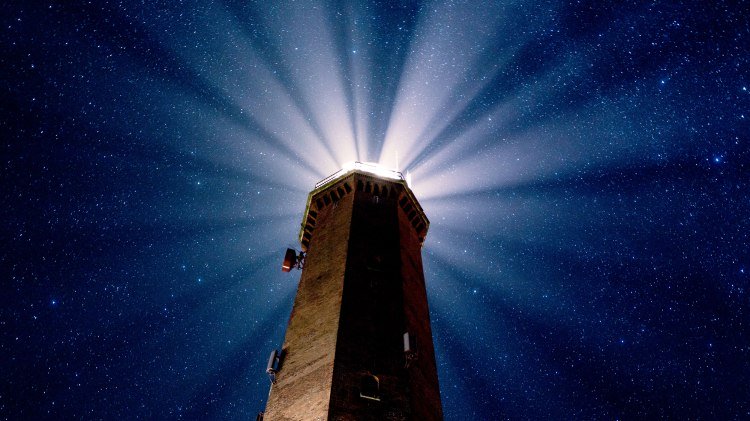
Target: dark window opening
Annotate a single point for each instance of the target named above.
(327, 200)
(320, 204)
(370, 387)
(360, 186)
(347, 188)
(313, 214)
(402, 202)
(376, 189)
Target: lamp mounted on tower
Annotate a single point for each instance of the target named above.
(293, 260)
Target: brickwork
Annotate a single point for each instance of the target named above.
(423, 382)
(303, 384)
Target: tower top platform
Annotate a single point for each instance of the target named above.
(368, 178)
(366, 167)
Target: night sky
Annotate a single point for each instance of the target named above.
(584, 164)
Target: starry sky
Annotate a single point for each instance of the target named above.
(584, 165)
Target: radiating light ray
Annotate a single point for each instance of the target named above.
(506, 120)
(525, 124)
(517, 213)
(200, 128)
(454, 251)
(431, 72)
(361, 63)
(509, 349)
(452, 62)
(458, 296)
(524, 218)
(361, 113)
(258, 94)
(475, 138)
(254, 154)
(239, 149)
(473, 214)
(320, 79)
(491, 269)
(609, 139)
(530, 317)
(205, 139)
(458, 98)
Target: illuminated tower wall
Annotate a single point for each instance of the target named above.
(362, 288)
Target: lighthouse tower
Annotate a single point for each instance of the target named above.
(358, 344)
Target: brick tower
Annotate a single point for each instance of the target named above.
(358, 344)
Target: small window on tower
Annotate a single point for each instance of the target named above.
(370, 387)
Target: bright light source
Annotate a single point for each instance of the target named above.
(373, 168)
(368, 167)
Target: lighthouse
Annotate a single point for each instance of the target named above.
(358, 344)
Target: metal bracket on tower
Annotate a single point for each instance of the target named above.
(273, 365)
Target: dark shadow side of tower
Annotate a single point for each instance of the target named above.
(358, 344)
